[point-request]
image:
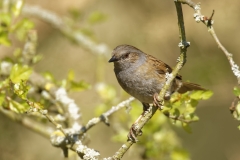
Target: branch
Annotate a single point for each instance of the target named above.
(152, 109)
(58, 22)
(104, 116)
(209, 22)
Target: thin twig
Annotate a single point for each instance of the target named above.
(178, 118)
(104, 116)
(234, 66)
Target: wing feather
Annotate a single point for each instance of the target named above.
(160, 66)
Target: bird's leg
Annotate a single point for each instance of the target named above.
(134, 130)
(156, 101)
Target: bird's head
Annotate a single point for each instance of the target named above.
(125, 56)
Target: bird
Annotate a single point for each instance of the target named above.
(143, 76)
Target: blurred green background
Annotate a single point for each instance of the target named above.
(152, 27)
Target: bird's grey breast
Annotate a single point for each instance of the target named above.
(136, 81)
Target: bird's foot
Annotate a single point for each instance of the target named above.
(134, 132)
(157, 102)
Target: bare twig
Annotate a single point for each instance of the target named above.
(104, 116)
(234, 66)
(178, 118)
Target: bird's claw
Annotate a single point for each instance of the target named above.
(157, 102)
(133, 133)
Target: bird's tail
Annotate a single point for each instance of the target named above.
(187, 86)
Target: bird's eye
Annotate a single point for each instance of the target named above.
(126, 56)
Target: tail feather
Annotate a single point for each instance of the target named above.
(187, 86)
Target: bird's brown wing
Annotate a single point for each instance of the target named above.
(160, 66)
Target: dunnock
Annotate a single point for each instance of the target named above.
(143, 76)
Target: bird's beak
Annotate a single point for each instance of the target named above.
(113, 59)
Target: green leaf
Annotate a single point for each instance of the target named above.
(20, 73)
(239, 127)
(96, 17)
(21, 89)
(16, 7)
(236, 114)
(4, 84)
(75, 85)
(17, 107)
(207, 94)
(5, 20)
(196, 95)
(236, 91)
(2, 98)
(17, 52)
(189, 108)
(63, 83)
(187, 127)
(180, 154)
(195, 118)
(190, 117)
(21, 28)
(71, 75)
(87, 32)
(106, 92)
(79, 86)
(193, 102)
(177, 103)
(49, 76)
(75, 13)
(176, 112)
(4, 40)
(120, 137)
(100, 109)
(37, 58)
